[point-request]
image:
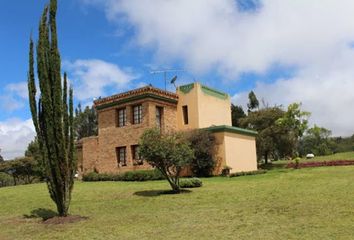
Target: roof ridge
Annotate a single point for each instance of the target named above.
(137, 91)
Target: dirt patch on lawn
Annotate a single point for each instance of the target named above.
(64, 220)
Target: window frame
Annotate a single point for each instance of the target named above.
(137, 115)
(124, 117)
(121, 162)
(137, 160)
(159, 111)
(185, 114)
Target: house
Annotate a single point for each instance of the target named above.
(122, 118)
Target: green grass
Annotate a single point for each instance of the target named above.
(313, 203)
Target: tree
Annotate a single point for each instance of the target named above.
(1, 158)
(85, 122)
(53, 115)
(317, 140)
(23, 170)
(270, 135)
(253, 102)
(295, 121)
(169, 153)
(236, 114)
(202, 142)
(34, 152)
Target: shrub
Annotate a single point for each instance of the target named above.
(296, 162)
(139, 176)
(190, 183)
(5, 180)
(202, 142)
(226, 171)
(168, 152)
(238, 174)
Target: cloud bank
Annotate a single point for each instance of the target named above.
(313, 37)
(15, 135)
(92, 77)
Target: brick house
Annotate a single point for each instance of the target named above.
(122, 118)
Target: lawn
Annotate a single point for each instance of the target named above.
(312, 203)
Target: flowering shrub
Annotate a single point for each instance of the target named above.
(321, 164)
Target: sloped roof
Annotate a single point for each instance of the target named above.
(147, 91)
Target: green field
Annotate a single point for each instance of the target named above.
(312, 203)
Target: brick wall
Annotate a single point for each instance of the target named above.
(110, 136)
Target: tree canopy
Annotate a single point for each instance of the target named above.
(85, 122)
(236, 114)
(169, 153)
(53, 114)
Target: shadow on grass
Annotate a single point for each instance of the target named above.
(156, 193)
(42, 213)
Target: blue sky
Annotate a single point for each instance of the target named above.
(285, 51)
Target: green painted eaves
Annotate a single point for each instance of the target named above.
(225, 128)
(214, 92)
(134, 98)
(186, 88)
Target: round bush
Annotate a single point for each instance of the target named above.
(190, 183)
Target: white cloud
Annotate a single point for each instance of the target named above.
(14, 96)
(92, 77)
(20, 89)
(313, 36)
(15, 135)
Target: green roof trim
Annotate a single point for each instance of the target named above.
(214, 92)
(225, 128)
(186, 88)
(134, 98)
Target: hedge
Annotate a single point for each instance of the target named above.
(239, 174)
(138, 175)
(190, 183)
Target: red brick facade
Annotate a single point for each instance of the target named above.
(114, 147)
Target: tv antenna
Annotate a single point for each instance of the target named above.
(165, 71)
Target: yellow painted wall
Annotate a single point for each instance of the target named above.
(204, 110)
(240, 152)
(236, 151)
(191, 100)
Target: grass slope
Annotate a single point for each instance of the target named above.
(313, 203)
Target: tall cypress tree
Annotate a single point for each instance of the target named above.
(53, 114)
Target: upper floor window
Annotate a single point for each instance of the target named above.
(136, 156)
(121, 156)
(185, 114)
(137, 114)
(159, 112)
(122, 117)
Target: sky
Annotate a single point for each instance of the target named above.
(284, 50)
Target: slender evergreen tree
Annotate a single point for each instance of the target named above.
(53, 114)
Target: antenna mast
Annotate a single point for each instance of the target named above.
(165, 71)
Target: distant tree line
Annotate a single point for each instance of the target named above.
(284, 133)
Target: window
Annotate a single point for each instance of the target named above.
(136, 156)
(137, 114)
(121, 156)
(122, 117)
(159, 112)
(185, 114)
